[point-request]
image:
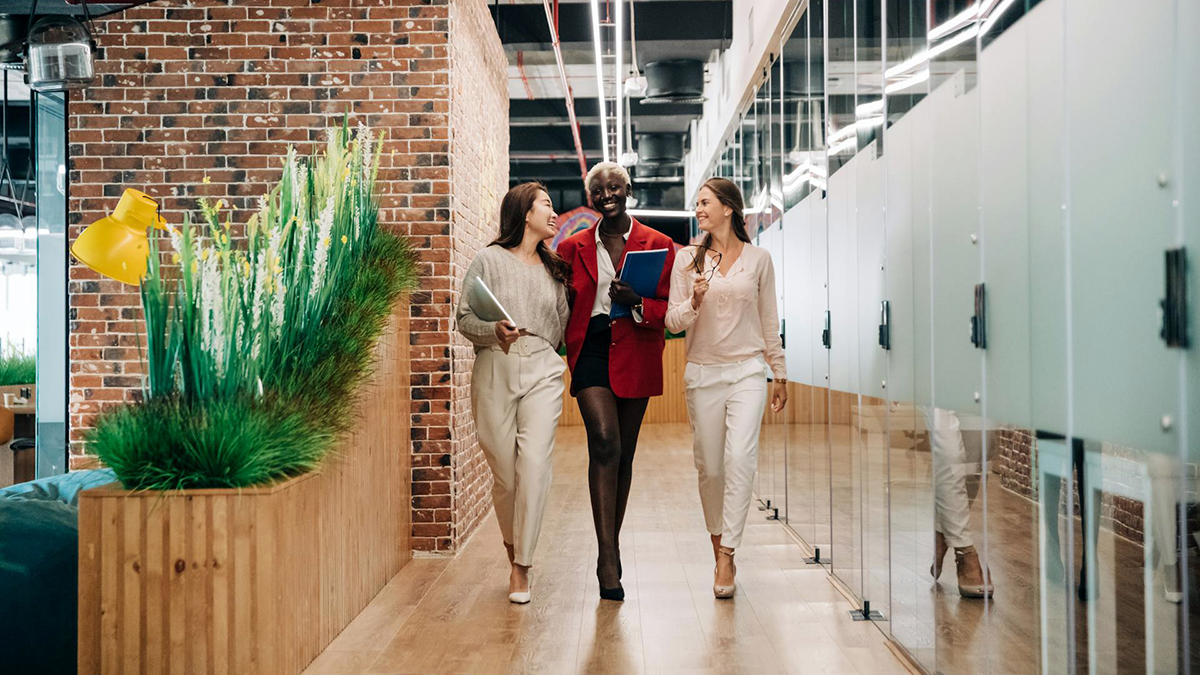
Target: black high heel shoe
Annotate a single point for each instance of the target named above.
(617, 593)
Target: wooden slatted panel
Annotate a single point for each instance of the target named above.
(815, 405)
(670, 408)
(258, 580)
(806, 404)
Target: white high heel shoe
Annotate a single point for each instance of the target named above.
(522, 597)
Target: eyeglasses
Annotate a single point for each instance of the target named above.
(716, 261)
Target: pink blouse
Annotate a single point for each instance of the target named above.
(738, 318)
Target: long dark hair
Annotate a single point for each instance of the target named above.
(727, 193)
(514, 207)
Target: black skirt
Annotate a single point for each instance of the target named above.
(591, 368)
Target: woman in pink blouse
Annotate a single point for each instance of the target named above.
(723, 295)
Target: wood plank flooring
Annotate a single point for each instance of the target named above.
(453, 616)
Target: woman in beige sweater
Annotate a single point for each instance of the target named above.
(517, 381)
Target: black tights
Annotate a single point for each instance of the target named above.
(612, 431)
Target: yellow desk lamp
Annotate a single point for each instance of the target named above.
(116, 246)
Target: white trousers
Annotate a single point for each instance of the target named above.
(952, 506)
(725, 405)
(517, 400)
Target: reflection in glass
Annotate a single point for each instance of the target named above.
(19, 274)
(986, 435)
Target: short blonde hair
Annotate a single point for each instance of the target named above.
(605, 166)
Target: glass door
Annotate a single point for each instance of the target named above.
(50, 144)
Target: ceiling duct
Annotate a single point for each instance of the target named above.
(644, 171)
(649, 197)
(656, 149)
(674, 81)
(803, 84)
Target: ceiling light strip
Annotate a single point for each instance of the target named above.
(921, 76)
(567, 97)
(597, 46)
(659, 213)
(925, 56)
(991, 17)
(958, 21)
(618, 78)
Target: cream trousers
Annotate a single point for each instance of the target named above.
(517, 399)
(952, 506)
(725, 405)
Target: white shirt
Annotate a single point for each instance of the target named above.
(605, 273)
(738, 318)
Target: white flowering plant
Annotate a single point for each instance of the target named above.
(252, 353)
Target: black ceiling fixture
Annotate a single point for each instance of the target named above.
(654, 149)
(674, 81)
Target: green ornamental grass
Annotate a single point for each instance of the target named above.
(17, 368)
(254, 354)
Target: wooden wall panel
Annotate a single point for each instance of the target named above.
(806, 404)
(258, 580)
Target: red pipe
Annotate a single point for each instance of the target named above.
(524, 79)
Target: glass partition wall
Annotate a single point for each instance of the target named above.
(33, 281)
(980, 215)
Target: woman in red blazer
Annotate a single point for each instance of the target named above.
(616, 366)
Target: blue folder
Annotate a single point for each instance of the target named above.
(642, 270)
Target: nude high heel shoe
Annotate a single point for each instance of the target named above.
(725, 592)
(969, 569)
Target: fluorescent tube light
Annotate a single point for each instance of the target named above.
(660, 213)
(618, 78)
(925, 56)
(921, 76)
(993, 17)
(596, 44)
(961, 19)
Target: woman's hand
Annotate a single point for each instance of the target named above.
(620, 291)
(778, 396)
(699, 290)
(507, 334)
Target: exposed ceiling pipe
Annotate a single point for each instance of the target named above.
(567, 97)
(524, 79)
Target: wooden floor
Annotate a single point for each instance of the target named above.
(453, 616)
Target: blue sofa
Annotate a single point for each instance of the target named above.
(39, 577)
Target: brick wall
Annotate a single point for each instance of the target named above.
(220, 88)
(1015, 462)
(454, 489)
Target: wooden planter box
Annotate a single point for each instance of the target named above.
(258, 580)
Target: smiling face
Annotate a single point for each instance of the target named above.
(608, 191)
(539, 221)
(711, 214)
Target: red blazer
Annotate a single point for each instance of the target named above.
(635, 356)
